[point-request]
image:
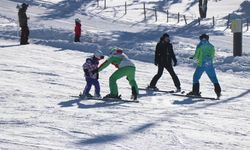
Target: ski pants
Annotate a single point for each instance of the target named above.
(209, 69)
(24, 35)
(129, 73)
(77, 38)
(160, 72)
(90, 82)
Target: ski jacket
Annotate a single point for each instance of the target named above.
(90, 67)
(164, 54)
(78, 29)
(22, 17)
(204, 52)
(119, 60)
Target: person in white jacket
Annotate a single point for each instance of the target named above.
(126, 68)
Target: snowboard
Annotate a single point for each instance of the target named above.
(193, 96)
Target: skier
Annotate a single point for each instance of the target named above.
(125, 68)
(91, 76)
(77, 30)
(164, 55)
(204, 54)
(23, 19)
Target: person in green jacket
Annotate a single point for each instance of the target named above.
(125, 68)
(204, 54)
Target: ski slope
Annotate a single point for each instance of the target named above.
(37, 82)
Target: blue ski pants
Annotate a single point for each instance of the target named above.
(90, 82)
(209, 69)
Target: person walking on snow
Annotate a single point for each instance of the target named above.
(126, 68)
(164, 55)
(91, 76)
(204, 54)
(77, 30)
(23, 19)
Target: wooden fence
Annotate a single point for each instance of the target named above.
(179, 16)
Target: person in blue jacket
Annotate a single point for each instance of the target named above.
(204, 54)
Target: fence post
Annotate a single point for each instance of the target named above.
(247, 23)
(144, 8)
(97, 3)
(185, 19)
(213, 21)
(178, 17)
(167, 15)
(155, 14)
(228, 21)
(199, 21)
(105, 4)
(125, 8)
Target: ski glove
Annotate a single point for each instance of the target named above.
(95, 71)
(175, 63)
(155, 63)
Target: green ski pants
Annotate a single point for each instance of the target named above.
(129, 72)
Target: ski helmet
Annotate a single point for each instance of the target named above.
(115, 51)
(204, 36)
(77, 20)
(98, 54)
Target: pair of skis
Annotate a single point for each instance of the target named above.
(108, 99)
(179, 93)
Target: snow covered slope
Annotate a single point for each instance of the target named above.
(37, 82)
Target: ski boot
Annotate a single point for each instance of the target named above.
(87, 95)
(177, 90)
(217, 90)
(153, 88)
(109, 96)
(195, 90)
(97, 95)
(134, 94)
(194, 94)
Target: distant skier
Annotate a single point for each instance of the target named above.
(164, 55)
(126, 68)
(23, 19)
(78, 30)
(91, 75)
(204, 54)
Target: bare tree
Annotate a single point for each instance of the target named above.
(203, 8)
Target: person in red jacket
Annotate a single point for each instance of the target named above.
(77, 30)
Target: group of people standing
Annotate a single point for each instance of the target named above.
(164, 58)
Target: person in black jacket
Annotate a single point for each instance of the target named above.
(23, 19)
(164, 55)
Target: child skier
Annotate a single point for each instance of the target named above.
(91, 75)
(204, 54)
(126, 68)
(77, 30)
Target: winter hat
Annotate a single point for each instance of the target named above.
(164, 36)
(98, 54)
(77, 20)
(116, 51)
(204, 36)
(24, 5)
